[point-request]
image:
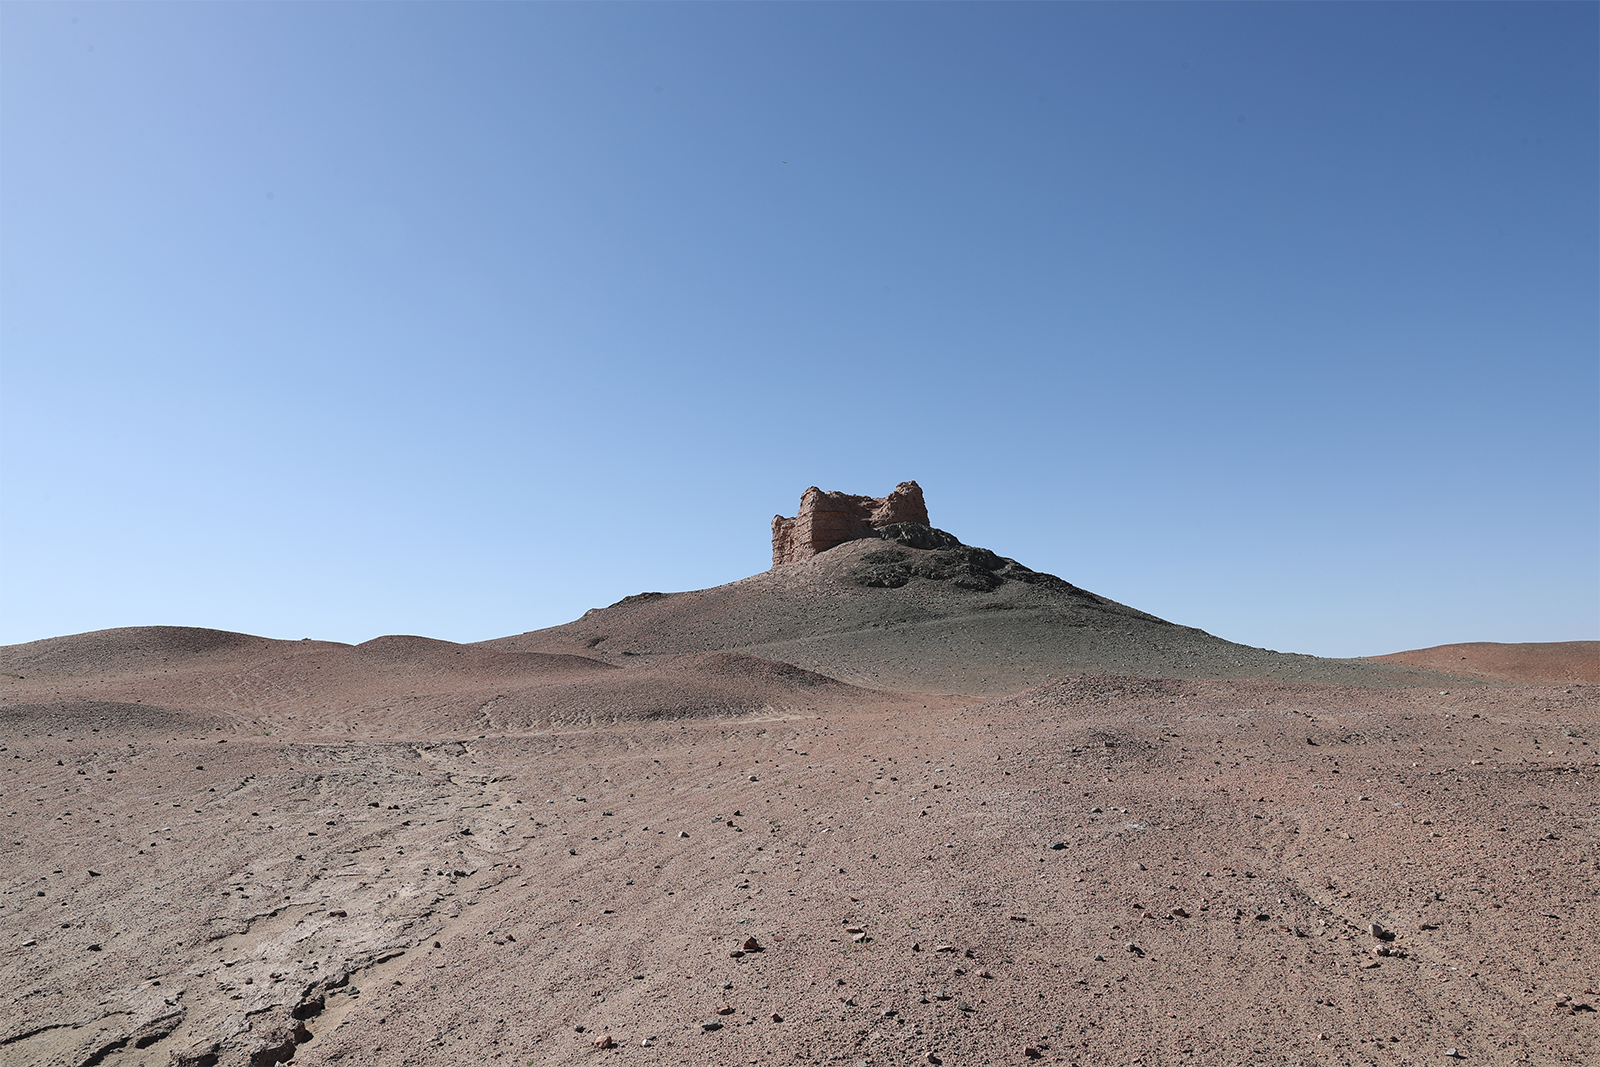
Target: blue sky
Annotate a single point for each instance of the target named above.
(338, 320)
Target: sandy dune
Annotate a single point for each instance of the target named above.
(1000, 822)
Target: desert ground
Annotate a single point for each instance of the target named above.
(887, 805)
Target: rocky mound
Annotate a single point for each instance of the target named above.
(908, 607)
(946, 559)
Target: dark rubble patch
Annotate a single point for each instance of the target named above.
(938, 557)
(916, 535)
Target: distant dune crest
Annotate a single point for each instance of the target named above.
(1530, 663)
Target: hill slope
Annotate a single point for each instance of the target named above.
(945, 619)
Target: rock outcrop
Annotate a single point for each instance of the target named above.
(827, 519)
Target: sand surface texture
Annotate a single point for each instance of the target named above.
(797, 819)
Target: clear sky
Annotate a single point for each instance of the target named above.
(337, 320)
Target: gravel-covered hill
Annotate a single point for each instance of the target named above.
(924, 613)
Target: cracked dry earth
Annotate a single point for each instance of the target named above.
(1098, 870)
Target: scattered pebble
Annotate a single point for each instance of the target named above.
(604, 1041)
(1057, 846)
(710, 1025)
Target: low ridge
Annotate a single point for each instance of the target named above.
(1534, 663)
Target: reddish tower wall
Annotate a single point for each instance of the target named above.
(827, 519)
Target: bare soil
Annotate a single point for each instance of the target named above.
(795, 819)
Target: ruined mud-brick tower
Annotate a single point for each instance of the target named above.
(827, 519)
